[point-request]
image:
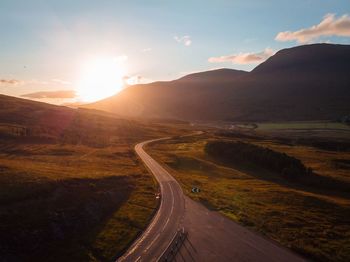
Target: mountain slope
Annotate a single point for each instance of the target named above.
(301, 83)
(218, 75)
(25, 120)
(70, 183)
(185, 98)
(314, 58)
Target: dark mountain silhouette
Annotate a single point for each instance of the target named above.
(219, 75)
(310, 82)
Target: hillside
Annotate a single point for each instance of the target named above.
(301, 83)
(71, 186)
(186, 98)
(25, 120)
(218, 75)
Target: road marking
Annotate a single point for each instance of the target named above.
(152, 242)
(150, 164)
(172, 207)
(162, 176)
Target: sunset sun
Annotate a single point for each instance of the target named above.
(100, 78)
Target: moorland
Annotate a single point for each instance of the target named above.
(291, 185)
(71, 185)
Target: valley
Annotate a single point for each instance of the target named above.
(308, 214)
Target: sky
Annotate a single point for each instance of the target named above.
(46, 46)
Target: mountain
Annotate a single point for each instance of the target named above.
(313, 58)
(218, 75)
(309, 82)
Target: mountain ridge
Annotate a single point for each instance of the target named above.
(300, 83)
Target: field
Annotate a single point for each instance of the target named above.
(312, 219)
(88, 202)
(302, 125)
(71, 186)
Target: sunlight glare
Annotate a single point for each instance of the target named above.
(100, 78)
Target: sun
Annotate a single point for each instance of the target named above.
(100, 78)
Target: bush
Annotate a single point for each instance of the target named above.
(240, 152)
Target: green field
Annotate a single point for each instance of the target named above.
(313, 221)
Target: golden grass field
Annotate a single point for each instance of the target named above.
(46, 176)
(71, 185)
(312, 221)
(72, 188)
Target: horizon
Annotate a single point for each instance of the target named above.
(83, 52)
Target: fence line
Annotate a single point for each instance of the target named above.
(170, 253)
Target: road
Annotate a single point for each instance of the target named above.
(154, 241)
(211, 236)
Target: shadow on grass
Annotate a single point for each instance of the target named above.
(312, 183)
(59, 217)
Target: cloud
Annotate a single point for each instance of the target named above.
(60, 81)
(14, 82)
(244, 58)
(51, 94)
(329, 26)
(121, 58)
(186, 40)
(147, 49)
(9, 82)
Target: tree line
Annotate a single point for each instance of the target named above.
(240, 152)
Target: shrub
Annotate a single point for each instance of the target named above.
(240, 152)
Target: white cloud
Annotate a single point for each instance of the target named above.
(244, 58)
(186, 40)
(329, 26)
(10, 82)
(121, 58)
(51, 94)
(60, 81)
(16, 82)
(147, 49)
(36, 82)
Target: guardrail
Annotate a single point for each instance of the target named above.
(170, 253)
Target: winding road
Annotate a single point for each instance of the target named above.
(156, 238)
(211, 236)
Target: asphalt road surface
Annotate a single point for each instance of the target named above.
(156, 238)
(211, 236)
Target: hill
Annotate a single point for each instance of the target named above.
(218, 75)
(302, 83)
(71, 186)
(24, 120)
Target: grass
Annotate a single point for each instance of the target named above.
(311, 221)
(303, 125)
(71, 186)
(55, 188)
